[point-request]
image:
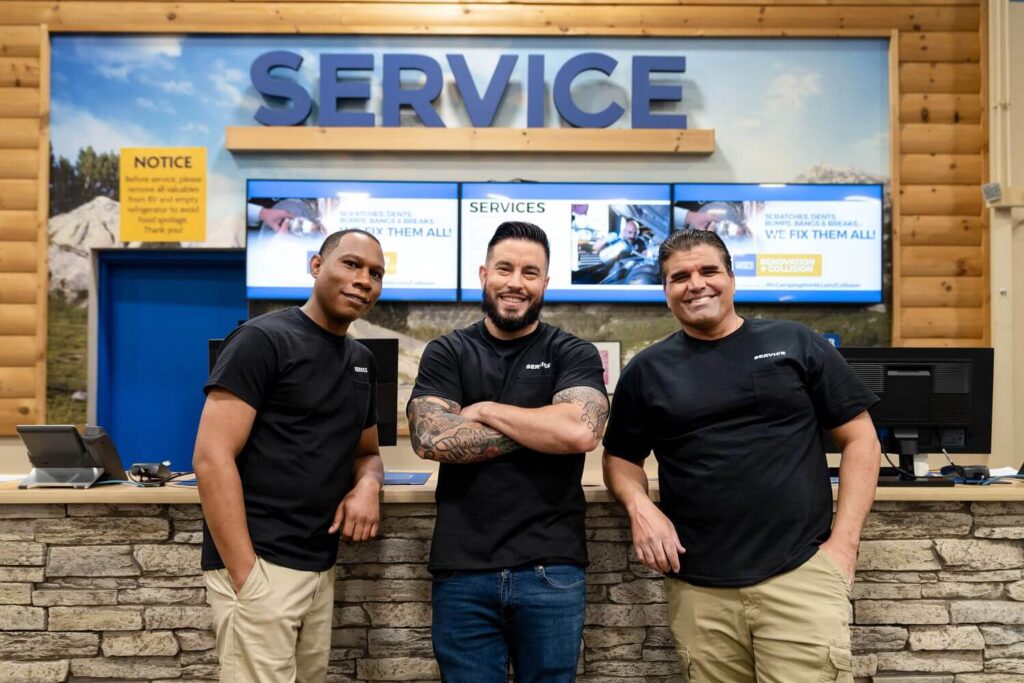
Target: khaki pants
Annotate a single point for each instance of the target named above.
(277, 628)
(791, 628)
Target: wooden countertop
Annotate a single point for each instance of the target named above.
(595, 493)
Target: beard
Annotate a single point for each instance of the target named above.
(507, 323)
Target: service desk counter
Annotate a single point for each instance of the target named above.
(105, 584)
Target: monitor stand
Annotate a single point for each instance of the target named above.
(888, 476)
(930, 482)
(61, 477)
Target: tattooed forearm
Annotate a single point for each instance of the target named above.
(438, 433)
(591, 401)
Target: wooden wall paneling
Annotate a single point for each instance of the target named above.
(941, 200)
(921, 77)
(16, 411)
(983, 148)
(17, 319)
(19, 101)
(19, 257)
(19, 41)
(955, 261)
(43, 202)
(18, 288)
(19, 71)
(16, 226)
(936, 46)
(940, 138)
(17, 383)
(20, 351)
(19, 194)
(549, 140)
(448, 18)
(948, 342)
(937, 92)
(940, 108)
(942, 291)
(895, 146)
(940, 169)
(941, 230)
(968, 323)
(19, 163)
(627, 4)
(19, 133)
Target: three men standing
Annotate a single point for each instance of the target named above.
(733, 409)
(509, 406)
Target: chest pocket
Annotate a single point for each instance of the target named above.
(530, 389)
(779, 392)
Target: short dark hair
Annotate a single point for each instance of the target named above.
(332, 240)
(685, 240)
(520, 230)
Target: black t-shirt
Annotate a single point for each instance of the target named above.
(524, 507)
(736, 426)
(314, 393)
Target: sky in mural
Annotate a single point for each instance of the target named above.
(778, 107)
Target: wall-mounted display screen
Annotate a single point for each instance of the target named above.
(793, 243)
(604, 237)
(416, 223)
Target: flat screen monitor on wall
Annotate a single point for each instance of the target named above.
(416, 223)
(793, 243)
(931, 398)
(604, 237)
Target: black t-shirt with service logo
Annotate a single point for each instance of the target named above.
(524, 507)
(736, 426)
(314, 393)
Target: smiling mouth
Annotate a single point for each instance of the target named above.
(359, 299)
(698, 300)
(512, 300)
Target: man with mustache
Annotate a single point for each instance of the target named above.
(286, 457)
(734, 408)
(509, 406)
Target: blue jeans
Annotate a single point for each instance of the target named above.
(529, 617)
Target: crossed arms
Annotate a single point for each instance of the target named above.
(442, 430)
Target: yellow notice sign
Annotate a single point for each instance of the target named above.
(163, 194)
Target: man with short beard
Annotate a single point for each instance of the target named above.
(509, 406)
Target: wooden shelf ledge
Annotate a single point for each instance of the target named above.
(529, 140)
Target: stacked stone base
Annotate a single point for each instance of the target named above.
(113, 592)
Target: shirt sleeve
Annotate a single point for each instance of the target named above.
(838, 394)
(627, 435)
(579, 365)
(246, 365)
(439, 373)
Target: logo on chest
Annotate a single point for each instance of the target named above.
(538, 366)
(360, 370)
(773, 354)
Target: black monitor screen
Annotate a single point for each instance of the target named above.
(931, 398)
(385, 356)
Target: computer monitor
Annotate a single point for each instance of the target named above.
(932, 399)
(385, 356)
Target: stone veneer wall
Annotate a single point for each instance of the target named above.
(92, 592)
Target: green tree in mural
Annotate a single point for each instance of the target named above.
(73, 184)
